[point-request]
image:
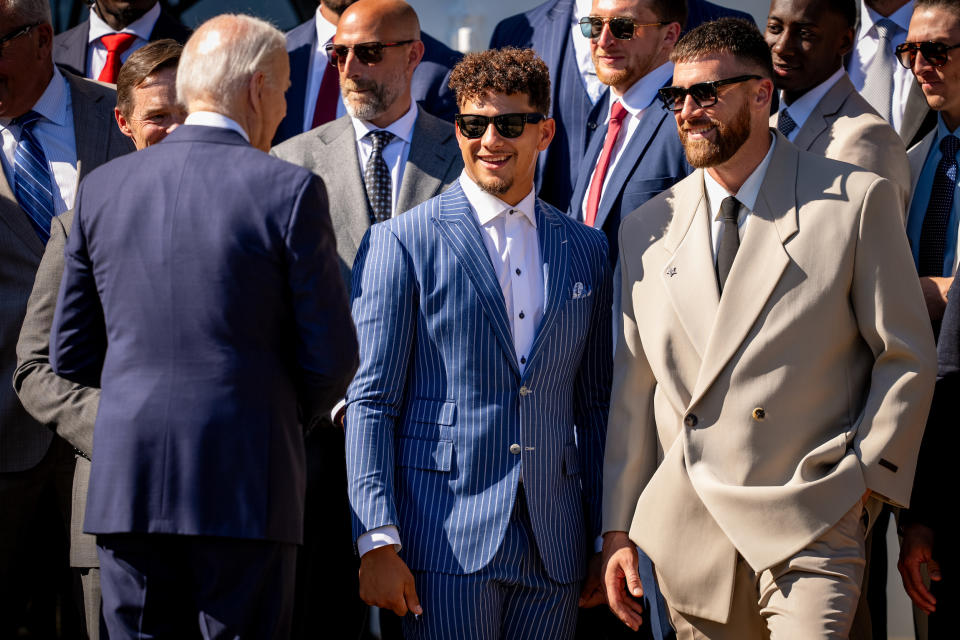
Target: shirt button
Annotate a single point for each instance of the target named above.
(511, 211)
(690, 420)
(523, 360)
(518, 271)
(521, 315)
(515, 449)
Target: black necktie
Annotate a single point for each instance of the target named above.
(786, 124)
(729, 239)
(933, 233)
(377, 177)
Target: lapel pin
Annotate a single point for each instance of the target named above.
(672, 271)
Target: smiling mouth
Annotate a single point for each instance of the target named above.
(699, 131)
(494, 161)
(783, 69)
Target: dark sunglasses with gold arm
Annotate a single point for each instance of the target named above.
(933, 52)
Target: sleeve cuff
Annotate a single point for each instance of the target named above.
(337, 408)
(379, 537)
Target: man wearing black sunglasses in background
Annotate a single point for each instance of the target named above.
(386, 156)
(475, 424)
(774, 369)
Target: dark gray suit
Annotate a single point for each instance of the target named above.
(327, 566)
(25, 439)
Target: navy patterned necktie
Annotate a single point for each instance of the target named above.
(377, 178)
(729, 239)
(33, 184)
(786, 124)
(933, 233)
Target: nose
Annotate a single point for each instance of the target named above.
(491, 137)
(780, 42)
(920, 63)
(605, 39)
(690, 107)
(348, 65)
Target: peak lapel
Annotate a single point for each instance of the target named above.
(456, 223)
(92, 124)
(337, 149)
(820, 119)
(760, 263)
(555, 253)
(427, 162)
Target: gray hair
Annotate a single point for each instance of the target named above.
(222, 55)
(28, 11)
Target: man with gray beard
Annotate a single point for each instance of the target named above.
(385, 156)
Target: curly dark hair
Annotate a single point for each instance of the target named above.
(508, 71)
(735, 36)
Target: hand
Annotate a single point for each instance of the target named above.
(915, 550)
(935, 295)
(592, 594)
(620, 574)
(386, 582)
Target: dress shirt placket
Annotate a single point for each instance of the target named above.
(518, 284)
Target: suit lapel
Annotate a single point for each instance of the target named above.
(914, 113)
(555, 253)
(687, 275)
(427, 163)
(14, 217)
(92, 127)
(586, 170)
(823, 112)
(456, 223)
(762, 262)
(917, 156)
(554, 41)
(339, 144)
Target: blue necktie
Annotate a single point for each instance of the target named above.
(33, 184)
(786, 124)
(933, 233)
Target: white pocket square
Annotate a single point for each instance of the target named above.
(580, 291)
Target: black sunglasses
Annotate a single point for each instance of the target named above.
(620, 28)
(933, 52)
(366, 52)
(509, 125)
(16, 33)
(703, 93)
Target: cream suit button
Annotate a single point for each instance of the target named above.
(759, 414)
(515, 449)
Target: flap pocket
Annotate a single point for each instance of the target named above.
(432, 411)
(571, 459)
(432, 455)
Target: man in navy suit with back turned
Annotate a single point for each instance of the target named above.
(216, 324)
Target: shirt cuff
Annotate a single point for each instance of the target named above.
(337, 408)
(379, 537)
(598, 544)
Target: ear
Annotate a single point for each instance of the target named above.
(764, 94)
(548, 128)
(255, 92)
(846, 42)
(45, 40)
(122, 123)
(672, 34)
(415, 56)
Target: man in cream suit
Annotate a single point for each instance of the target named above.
(767, 396)
(820, 110)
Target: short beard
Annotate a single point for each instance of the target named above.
(381, 99)
(496, 186)
(704, 153)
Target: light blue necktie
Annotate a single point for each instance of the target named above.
(33, 184)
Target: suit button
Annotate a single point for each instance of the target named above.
(515, 449)
(591, 125)
(525, 391)
(759, 414)
(690, 420)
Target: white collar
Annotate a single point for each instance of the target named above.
(214, 119)
(488, 206)
(748, 193)
(643, 92)
(325, 29)
(869, 18)
(401, 128)
(142, 27)
(53, 102)
(801, 108)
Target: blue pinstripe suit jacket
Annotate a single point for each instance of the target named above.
(439, 398)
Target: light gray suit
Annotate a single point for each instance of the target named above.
(49, 404)
(330, 151)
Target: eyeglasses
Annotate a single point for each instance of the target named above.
(703, 93)
(16, 33)
(933, 52)
(508, 125)
(366, 52)
(620, 28)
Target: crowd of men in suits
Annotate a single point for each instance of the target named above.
(639, 323)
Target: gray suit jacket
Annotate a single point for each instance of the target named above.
(65, 407)
(24, 441)
(330, 151)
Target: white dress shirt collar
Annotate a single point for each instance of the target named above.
(869, 18)
(748, 193)
(214, 119)
(643, 92)
(325, 30)
(401, 128)
(142, 27)
(488, 206)
(801, 108)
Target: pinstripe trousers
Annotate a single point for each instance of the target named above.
(512, 598)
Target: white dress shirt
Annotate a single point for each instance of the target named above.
(636, 100)
(395, 153)
(510, 237)
(142, 27)
(747, 196)
(55, 133)
(866, 47)
(581, 48)
(214, 119)
(801, 108)
(318, 66)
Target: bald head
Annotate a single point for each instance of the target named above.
(394, 19)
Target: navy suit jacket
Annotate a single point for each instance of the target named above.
(439, 398)
(209, 307)
(428, 86)
(653, 160)
(700, 11)
(70, 47)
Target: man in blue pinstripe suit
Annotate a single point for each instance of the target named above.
(476, 423)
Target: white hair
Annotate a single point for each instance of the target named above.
(222, 55)
(28, 11)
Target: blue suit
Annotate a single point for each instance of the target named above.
(207, 305)
(439, 399)
(428, 86)
(653, 160)
(700, 11)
